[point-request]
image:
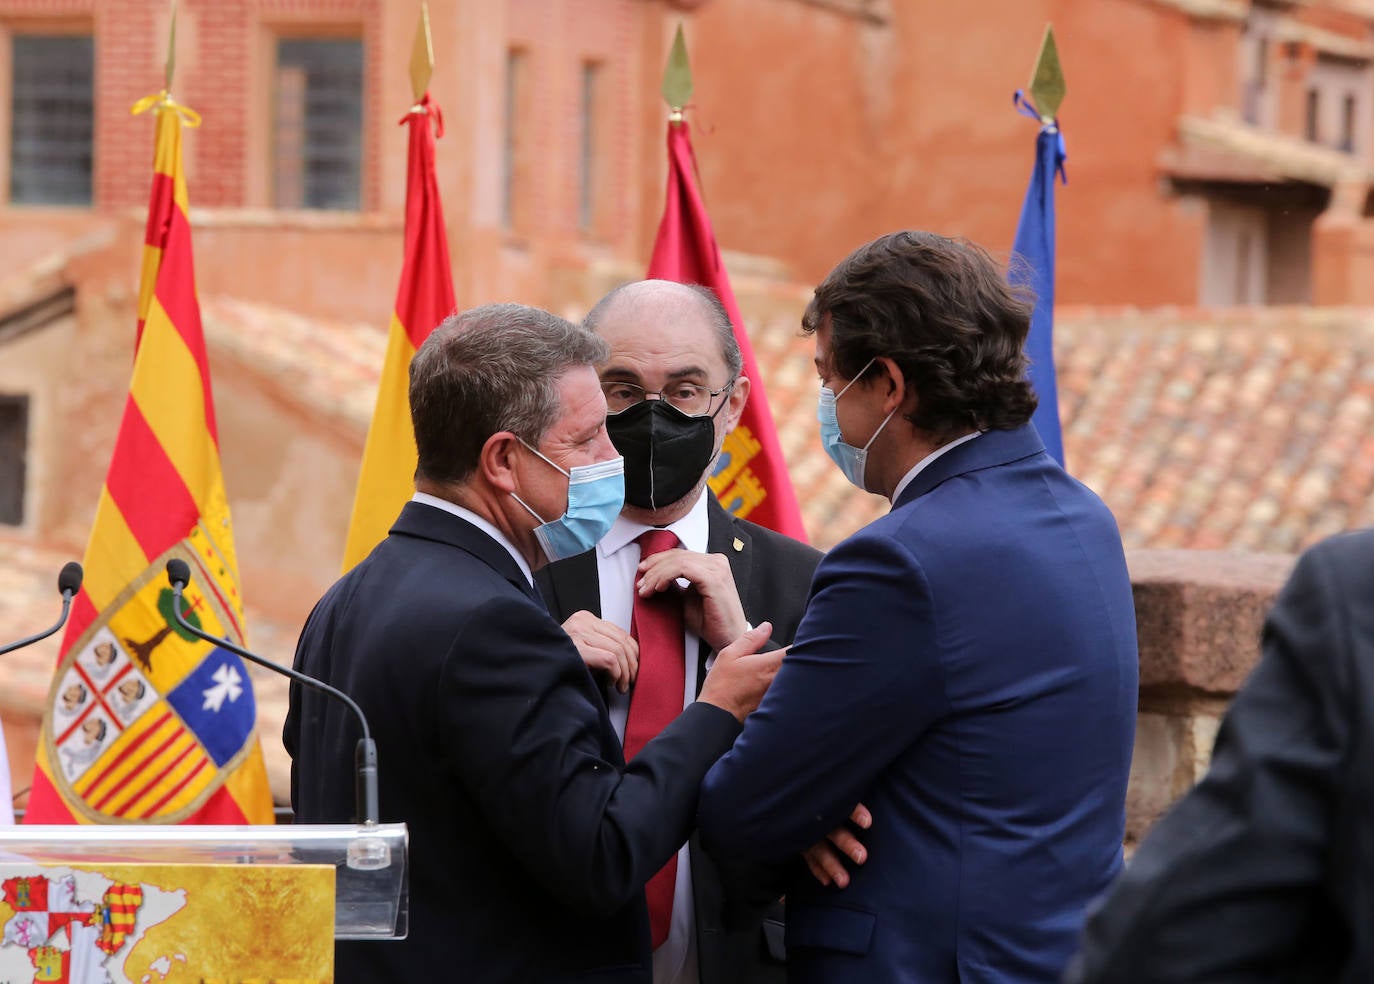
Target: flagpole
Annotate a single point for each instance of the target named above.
(1033, 262)
(170, 65)
(677, 79)
(424, 297)
(421, 56)
(163, 496)
(750, 478)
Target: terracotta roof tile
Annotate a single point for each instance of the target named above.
(1245, 429)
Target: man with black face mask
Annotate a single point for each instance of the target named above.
(674, 390)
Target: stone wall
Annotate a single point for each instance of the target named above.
(1199, 615)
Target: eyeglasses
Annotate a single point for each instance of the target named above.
(693, 399)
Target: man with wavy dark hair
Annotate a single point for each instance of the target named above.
(966, 666)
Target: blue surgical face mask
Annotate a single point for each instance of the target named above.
(596, 494)
(851, 460)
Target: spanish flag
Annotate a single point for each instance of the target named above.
(144, 723)
(751, 477)
(424, 298)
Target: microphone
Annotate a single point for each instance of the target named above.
(68, 583)
(365, 760)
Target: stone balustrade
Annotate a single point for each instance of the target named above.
(1199, 615)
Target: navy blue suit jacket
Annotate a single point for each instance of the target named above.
(967, 668)
(530, 838)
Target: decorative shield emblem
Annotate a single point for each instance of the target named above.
(145, 720)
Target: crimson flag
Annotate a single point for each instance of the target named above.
(751, 477)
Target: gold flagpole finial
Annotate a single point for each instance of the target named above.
(677, 78)
(1047, 81)
(171, 66)
(421, 56)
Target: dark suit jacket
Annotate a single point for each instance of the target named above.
(772, 573)
(967, 669)
(1265, 870)
(530, 839)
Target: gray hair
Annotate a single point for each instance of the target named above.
(490, 369)
(714, 310)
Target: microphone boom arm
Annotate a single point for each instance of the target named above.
(30, 640)
(366, 757)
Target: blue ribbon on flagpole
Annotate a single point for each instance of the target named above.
(1032, 266)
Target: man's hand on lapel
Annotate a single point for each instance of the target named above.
(711, 608)
(604, 647)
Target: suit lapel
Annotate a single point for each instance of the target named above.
(571, 585)
(725, 535)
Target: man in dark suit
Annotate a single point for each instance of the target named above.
(674, 387)
(966, 665)
(1265, 870)
(531, 838)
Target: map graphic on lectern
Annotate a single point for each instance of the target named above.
(118, 923)
(80, 927)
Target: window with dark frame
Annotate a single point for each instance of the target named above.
(318, 123)
(1253, 91)
(1348, 105)
(52, 119)
(14, 448)
(1313, 128)
(588, 163)
(513, 151)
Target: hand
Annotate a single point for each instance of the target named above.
(711, 608)
(741, 673)
(826, 857)
(605, 646)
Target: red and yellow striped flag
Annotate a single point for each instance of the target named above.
(143, 722)
(423, 299)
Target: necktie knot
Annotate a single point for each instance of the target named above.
(655, 542)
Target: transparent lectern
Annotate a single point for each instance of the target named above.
(217, 904)
(371, 899)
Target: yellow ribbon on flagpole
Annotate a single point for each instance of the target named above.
(163, 101)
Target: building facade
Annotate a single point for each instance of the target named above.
(1220, 151)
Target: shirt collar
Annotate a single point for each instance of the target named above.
(481, 523)
(925, 462)
(692, 530)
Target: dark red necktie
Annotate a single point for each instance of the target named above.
(656, 623)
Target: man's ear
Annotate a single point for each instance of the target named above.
(497, 461)
(734, 404)
(896, 392)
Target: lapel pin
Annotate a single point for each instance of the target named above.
(739, 545)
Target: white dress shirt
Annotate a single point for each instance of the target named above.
(924, 463)
(482, 524)
(675, 962)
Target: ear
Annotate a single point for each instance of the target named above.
(896, 393)
(497, 462)
(735, 402)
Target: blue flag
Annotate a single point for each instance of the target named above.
(1032, 265)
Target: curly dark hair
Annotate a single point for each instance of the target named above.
(942, 310)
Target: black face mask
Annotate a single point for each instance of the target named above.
(665, 451)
